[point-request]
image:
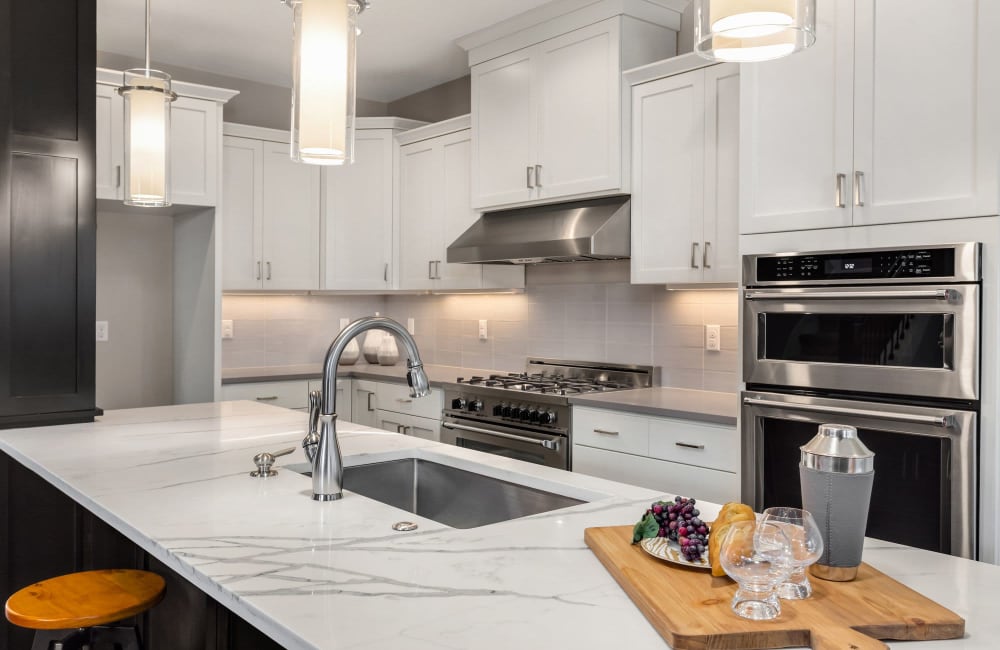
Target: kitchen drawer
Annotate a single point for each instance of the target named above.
(695, 443)
(664, 476)
(426, 428)
(290, 394)
(396, 398)
(611, 430)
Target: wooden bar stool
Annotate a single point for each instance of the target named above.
(71, 612)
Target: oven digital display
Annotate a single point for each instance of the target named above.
(847, 266)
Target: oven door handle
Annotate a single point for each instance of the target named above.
(548, 444)
(919, 294)
(943, 421)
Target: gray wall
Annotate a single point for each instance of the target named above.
(450, 99)
(134, 294)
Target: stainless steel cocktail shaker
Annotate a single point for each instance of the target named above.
(836, 471)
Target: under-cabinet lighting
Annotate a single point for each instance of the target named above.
(745, 31)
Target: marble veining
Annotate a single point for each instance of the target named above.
(334, 575)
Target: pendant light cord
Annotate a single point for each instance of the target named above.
(147, 35)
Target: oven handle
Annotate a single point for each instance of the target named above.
(548, 444)
(943, 421)
(920, 294)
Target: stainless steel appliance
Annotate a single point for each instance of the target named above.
(527, 415)
(887, 341)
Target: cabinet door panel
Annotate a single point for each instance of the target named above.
(927, 135)
(357, 216)
(110, 143)
(722, 174)
(364, 404)
(667, 202)
(194, 126)
(291, 221)
(579, 129)
(420, 217)
(242, 211)
(456, 212)
(503, 127)
(796, 134)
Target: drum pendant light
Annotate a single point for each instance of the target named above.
(753, 30)
(324, 78)
(147, 98)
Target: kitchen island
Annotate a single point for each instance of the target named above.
(175, 481)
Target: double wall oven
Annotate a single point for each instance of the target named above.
(886, 340)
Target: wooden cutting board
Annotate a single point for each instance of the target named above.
(690, 608)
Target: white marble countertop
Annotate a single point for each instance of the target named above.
(334, 575)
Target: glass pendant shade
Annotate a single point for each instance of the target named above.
(753, 30)
(324, 80)
(147, 98)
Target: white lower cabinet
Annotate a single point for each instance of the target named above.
(426, 428)
(345, 393)
(364, 403)
(675, 456)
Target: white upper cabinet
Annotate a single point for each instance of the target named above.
(434, 210)
(888, 118)
(685, 144)
(195, 132)
(243, 213)
(547, 116)
(358, 216)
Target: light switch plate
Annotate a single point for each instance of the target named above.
(227, 329)
(411, 326)
(102, 331)
(713, 338)
(483, 332)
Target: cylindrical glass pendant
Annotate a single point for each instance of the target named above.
(147, 98)
(324, 80)
(753, 30)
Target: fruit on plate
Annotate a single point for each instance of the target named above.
(730, 513)
(678, 520)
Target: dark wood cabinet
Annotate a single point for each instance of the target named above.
(47, 211)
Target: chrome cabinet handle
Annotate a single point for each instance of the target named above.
(430, 269)
(118, 175)
(838, 199)
(530, 183)
(859, 189)
(704, 257)
(688, 445)
(269, 398)
(607, 433)
(944, 421)
(920, 294)
(437, 269)
(268, 271)
(402, 400)
(694, 255)
(538, 175)
(370, 401)
(548, 444)
(385, 273)
(258, 269)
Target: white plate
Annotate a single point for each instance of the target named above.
(665, 549)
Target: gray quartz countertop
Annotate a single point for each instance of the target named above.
(704, 405)
(436, 374)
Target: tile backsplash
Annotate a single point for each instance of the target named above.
(614, 321)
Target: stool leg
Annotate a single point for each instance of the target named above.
(61, 640)
(124, 637)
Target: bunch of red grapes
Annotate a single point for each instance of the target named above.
(680, 522)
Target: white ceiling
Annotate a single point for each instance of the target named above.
(407, 45)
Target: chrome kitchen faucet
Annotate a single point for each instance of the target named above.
(321, 444)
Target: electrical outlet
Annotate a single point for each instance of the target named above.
(483, 332)
(344, 322)
(411, 326)
(102, 331)
(227, 329)
(713, 338)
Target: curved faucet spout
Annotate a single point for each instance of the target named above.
(327, 465)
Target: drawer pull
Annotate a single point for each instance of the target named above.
(688, 445)
(267, 399)
(404, 401)
(607, 433)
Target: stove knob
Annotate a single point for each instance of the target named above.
(458, 403)
(508, 411)
(476, 406)
(498, 410)
(548, 417)
(526, 414)
(534, 415)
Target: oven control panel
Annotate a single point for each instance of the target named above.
(918, 263)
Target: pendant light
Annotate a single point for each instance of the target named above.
(324, 76)
(753, 30)
(147, 98)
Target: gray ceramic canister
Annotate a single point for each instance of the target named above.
(836, 471)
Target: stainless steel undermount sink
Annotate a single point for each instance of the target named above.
(450, 496)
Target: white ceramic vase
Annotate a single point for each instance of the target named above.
(351, 353)
(372, 342)
(388, 351)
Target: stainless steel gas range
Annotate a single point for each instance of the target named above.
(527, 415)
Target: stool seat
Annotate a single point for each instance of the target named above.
(85, 599)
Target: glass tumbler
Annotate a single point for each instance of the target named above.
(758, 564)
(806, 547)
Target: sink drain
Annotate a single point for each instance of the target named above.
(404, 526)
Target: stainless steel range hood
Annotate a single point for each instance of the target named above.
(595, 229)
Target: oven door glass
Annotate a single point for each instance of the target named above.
(924, 489)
